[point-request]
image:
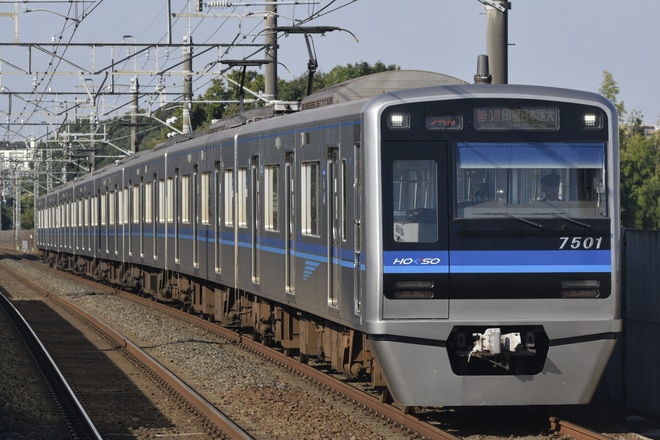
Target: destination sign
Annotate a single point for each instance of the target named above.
(452, 121)
(516, 118)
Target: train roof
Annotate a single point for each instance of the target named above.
(370, 86)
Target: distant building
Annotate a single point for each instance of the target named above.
(15, 157)
(649, 129)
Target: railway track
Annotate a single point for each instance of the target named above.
(395, 416)
(415, 425)
(208, 421)
(75, 421)
(574, 431)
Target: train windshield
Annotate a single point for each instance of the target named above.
(528, 179)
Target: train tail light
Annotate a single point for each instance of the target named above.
(580, 289)
(413, 290)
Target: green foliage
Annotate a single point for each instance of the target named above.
(296, 89)
(6, 217)
(610, 89)
(639, 165)
(640, 181)
(27, 211)
(340, 74)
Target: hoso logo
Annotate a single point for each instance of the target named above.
(424, 261)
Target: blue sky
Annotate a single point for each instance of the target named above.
(558, 43)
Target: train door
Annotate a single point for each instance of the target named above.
(176, 201)
(115, 207)
(101, 233)
(130, 194)
(217, 217)
(256, 215)
(334, 233)
(157, 188)
(194, 218)
(415, 229)
(141, 201)
(290, 222)
(357, 232)
(105, 224)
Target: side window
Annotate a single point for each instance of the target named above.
(229, 201)
(120, 204)
(241, 196)
(111, 208)
(148, 202)
(311, 198)
(185, 198)
(136, 204)
(161, 201)
(272, 197)
(103, 209)
(170, 200)
(205, 198)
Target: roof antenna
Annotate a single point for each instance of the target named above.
(483, 76)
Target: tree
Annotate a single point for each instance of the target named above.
(340, 74)
(610, 89)
(6, 218)
(639, 165)
(640, 181)
(27, 211)
(296, 89)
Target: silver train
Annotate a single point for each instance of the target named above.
(456, 243)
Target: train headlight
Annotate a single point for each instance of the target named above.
(398, 121)
(592, 120)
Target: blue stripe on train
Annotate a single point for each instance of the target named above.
(516, 261)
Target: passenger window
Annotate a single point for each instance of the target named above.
(271, 197)
(311, 198)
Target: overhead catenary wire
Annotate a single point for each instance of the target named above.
(25, 116)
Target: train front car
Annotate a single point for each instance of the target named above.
(497, 278)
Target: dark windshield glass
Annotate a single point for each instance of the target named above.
(530, 179)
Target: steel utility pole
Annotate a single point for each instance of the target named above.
(187, 83)
(497, 44)
(271, 51)
(135, 92)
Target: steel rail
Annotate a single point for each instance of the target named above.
(395, 415)
(196, 401)
(574, 431)
(74, 414)
(363, 399)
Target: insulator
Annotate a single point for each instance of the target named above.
(219, 4)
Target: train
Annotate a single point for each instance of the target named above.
(455, 244)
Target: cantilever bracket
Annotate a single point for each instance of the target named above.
(501, 6)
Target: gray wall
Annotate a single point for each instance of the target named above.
(22, 241)
(632, 378)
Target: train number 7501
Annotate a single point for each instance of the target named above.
(580, 242)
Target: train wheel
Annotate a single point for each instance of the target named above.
(303, 358)
(385, 395)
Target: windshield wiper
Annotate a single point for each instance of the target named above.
(515, 217)
(572, 220)
(524, 220)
